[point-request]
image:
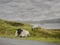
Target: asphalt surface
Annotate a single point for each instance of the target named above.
(7, 41)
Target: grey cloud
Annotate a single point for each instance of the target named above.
(29, 9)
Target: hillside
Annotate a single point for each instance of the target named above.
(11, 26)
(8, 28)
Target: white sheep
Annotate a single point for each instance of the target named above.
(24, 33)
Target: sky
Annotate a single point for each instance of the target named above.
(29, 10)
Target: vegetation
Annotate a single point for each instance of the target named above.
(8, 28)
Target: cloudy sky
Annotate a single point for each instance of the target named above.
(30, 10)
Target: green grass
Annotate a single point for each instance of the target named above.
(45, 39)
(39, 34)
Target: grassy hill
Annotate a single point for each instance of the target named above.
(8, 28)
(11, 26)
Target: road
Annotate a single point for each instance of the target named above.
(7, 41)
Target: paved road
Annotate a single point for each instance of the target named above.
(7, 41)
